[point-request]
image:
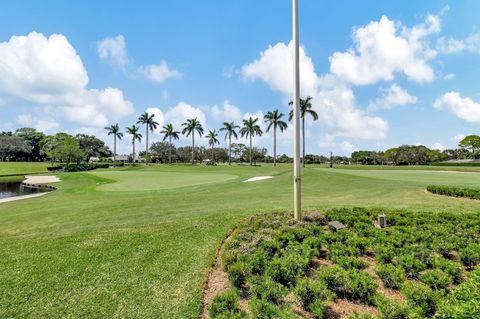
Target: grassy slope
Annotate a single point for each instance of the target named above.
(11, 168)
(82, 251)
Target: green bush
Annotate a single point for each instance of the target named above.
(225, 305)
(421, 296)
(470, 255)
(309, 290)
(391, 276)
(453, 191)
(54, 168)
(384, 254)
(263, 287)
(287, 268)
(336, 279)
(411, 265)
(391, 309)
(454, 269)
(361, 286)
(237, 273)
(348, 262)
(317, 308)
(262, 309)
(436, 279)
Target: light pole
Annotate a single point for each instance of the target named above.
(297, 186)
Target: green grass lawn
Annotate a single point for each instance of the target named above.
(12, 168)
(136, 242)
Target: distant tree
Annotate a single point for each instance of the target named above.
(284, 158)
(471, 142)
(115, 131)
(230, 130)
(169, 132)
(13, 148)
(92, 146)
(274, 119)
(258, 155)
(305, 108)
(367, 157)
(212, 140)
(69, 151)
(134, 132)
(238, 149)
(250, 129)
(162, 152)
(221, 154)
(33, 137)
(189, 128)
(150, 125)
(51, 143)
(315, 159)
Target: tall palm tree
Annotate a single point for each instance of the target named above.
(189, 127)
(150, 125)
(169, 132)
(212, 140)
(231, 130)
(115, 131)
(274, 119)
(305, 108)
(250, 129)
(135, 133)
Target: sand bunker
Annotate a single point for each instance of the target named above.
(36, 179)
(258, 178)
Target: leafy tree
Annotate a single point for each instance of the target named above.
(471, 142)
(162, 152)
(13, 148)
(212, 140)
(69, 151)
(134, 132)
(230, 130)
(274, 119)
(33, 137)
(189, 128)
(305, 108)
(238, 149)
(115, 131)
(169, 132)
(250, 129)
(93, 146)
(150, 125)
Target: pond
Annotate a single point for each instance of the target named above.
(12, 189)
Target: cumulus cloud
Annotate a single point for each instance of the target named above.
(470, 44)
(464, 108)
(458, 137)
(347, 147)
(159, 72)
(113, 50)
(226, 113)
(179, 113)
(385, 47)
(438, 146)
(47, 72)
(392, 97)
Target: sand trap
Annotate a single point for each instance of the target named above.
(258, 178)
(14, 198)
(36, 179)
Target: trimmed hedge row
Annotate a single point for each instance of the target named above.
(474, 164)
(453, 191)
(78, 167)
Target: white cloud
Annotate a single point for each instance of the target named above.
(438, 146)
(46, 72)
(347, 147)
(392, 97)
(226, 113)
(159, 72)
(464, 108)
(458, 137)
(183, 111)
(113, 50)
(449, 77)
(159, 117)
(385, 47)
(275, 68)
(470, 44)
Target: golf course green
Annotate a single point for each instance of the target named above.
(128, 241)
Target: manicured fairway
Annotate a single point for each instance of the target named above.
(10, 168)
(88, 251)
(145, 180)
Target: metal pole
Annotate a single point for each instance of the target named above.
(297, 190)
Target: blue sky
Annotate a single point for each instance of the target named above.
(381, 73)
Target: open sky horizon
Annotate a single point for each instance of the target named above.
(380, 74)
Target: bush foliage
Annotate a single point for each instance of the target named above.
(453, 191)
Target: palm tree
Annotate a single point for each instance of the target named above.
(115, 131)
(134, 132)
(250, 129)
(169, 132)
(305, 108)
(212, 140)
(273, 118)
(230, 129)
(189, 127)
(150, 124)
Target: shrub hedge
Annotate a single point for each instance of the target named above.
(453, 191)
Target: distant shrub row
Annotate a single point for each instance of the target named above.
(471, 193)
(454, 164)
(79, 167)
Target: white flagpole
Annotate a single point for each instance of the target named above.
(296, 116)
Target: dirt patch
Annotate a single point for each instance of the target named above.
(343, 308)
(387, 292)
(216, 280)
